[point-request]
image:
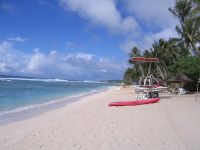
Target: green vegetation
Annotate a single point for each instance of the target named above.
(189, 66)
(176, 55)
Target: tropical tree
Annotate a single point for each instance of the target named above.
(189, 35)
(136, 52)
(168, 53)
(182, 10)
(132, 73)
(174, 54)
(189, 66)
(187, 11)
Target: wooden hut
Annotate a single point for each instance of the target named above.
(178, 81)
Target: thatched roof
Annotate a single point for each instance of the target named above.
(180, 78)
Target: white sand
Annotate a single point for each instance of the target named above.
(171, 124)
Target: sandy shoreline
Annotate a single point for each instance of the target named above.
(33, 110)
(173, 123)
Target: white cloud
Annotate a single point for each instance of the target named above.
(17, 39)
(127, 45)
(148, 39)
(74, 65)
(10, 59)
(5, 46)
(71, 45)
(164, 34)
(80, 55)
(3, 67)
(152, 12)
(102, 12)
(37, 62)
(77, 65)
(7, 7)
(103, 70)
(155, 20)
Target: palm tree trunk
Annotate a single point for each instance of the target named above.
(141, 69)
(160, 71)
(149, 70)
(194, 50)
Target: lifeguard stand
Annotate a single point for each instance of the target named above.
(148, 83)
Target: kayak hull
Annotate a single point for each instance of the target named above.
(134, 103)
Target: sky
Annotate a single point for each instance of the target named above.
(78, 39)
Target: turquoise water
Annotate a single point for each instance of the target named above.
(19, 94)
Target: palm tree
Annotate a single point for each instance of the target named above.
(168, 53)
(190, 35)
(130, 75)
(135, 52)
(182, 10)
(196, 9)
(157, 50)
(187, 11)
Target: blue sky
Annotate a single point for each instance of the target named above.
(78, 39)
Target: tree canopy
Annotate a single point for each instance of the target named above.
(177, 54)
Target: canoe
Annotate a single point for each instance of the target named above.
(136, 102)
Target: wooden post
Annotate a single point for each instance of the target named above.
(197, 89)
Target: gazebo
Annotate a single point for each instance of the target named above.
(178, 81)
(180, 78)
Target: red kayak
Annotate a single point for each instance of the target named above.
(137, 102)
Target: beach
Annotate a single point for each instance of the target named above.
(90, 124)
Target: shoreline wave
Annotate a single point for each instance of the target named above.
(30, 111)
(48, 80)
(51, 102)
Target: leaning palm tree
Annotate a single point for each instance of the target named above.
(182, 10)
(196, 9)
(158, 50)
(190, 35)
(187, 11)
(168, 53)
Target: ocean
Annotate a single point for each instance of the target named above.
(23, 97)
